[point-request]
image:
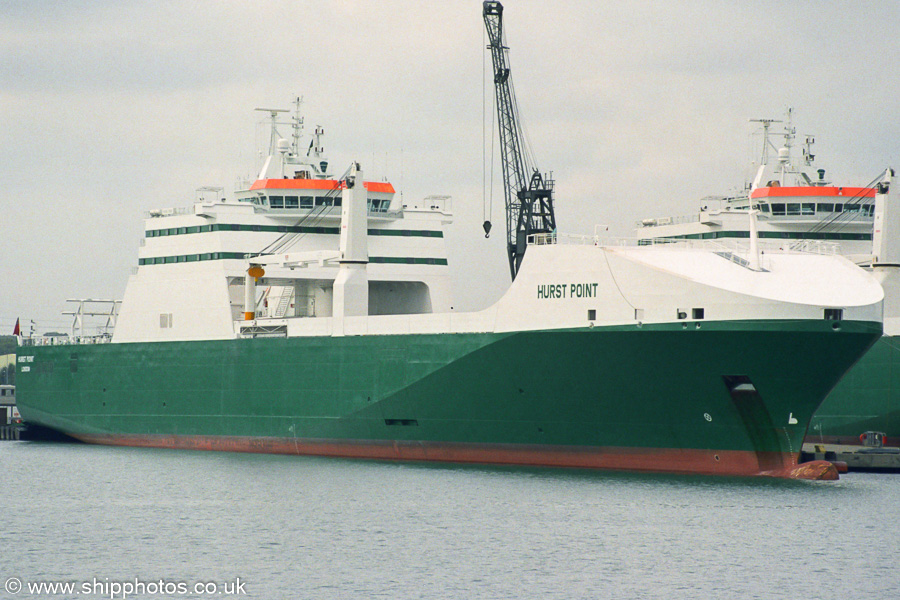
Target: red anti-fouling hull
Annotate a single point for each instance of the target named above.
(672, 460)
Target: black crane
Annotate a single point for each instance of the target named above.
(528, 194)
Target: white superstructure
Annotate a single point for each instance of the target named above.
(191, 279)
(307, 254)
(796, 205)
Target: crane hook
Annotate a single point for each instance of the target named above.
(487, 229)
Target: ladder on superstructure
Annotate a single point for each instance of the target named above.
(284, 302)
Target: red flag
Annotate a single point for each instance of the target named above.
(16, 331)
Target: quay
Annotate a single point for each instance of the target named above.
(10, 432)
(871, 454)
(10, 420)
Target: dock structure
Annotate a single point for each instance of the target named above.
(9, 417)
(10, 432)
(870, 455)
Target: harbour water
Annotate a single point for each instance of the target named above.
(259, 526)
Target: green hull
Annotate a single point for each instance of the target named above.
(664, 397)
(867, 399)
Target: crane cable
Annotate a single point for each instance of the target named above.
(837, 221)
(487, 194)
(290, 238)
(843, 218)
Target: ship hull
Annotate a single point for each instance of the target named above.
(729, 397)
(866, 399)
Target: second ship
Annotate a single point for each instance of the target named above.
(797, 206)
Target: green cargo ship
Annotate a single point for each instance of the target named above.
(679, 358)
(312, 315)
(867, 399)
(660, 397)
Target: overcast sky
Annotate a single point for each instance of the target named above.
(639, 108)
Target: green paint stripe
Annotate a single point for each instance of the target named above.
(407, 232)
(407, 260)
(781, 235)
(286, 229)
(182, 258)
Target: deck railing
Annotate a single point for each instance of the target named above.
(680, 220)
(742, 245)
(65, 340)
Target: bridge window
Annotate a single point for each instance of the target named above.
(778, 209)
(306, 201)
(276, 201)
(291, 202)
(793, 208)
(825, 207)
(807, 208)
(764, 208)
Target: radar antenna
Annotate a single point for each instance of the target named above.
(273, 136)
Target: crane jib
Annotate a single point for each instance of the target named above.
(528, 196)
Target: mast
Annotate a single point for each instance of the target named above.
(764, 160)
(528, 195)
(274, 137)
(297, 126)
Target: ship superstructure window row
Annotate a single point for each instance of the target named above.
(290, 202)
(377, 205)
(287, 229)
(779, 235)
(809, 208)
(182, 258)
(293, 202)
